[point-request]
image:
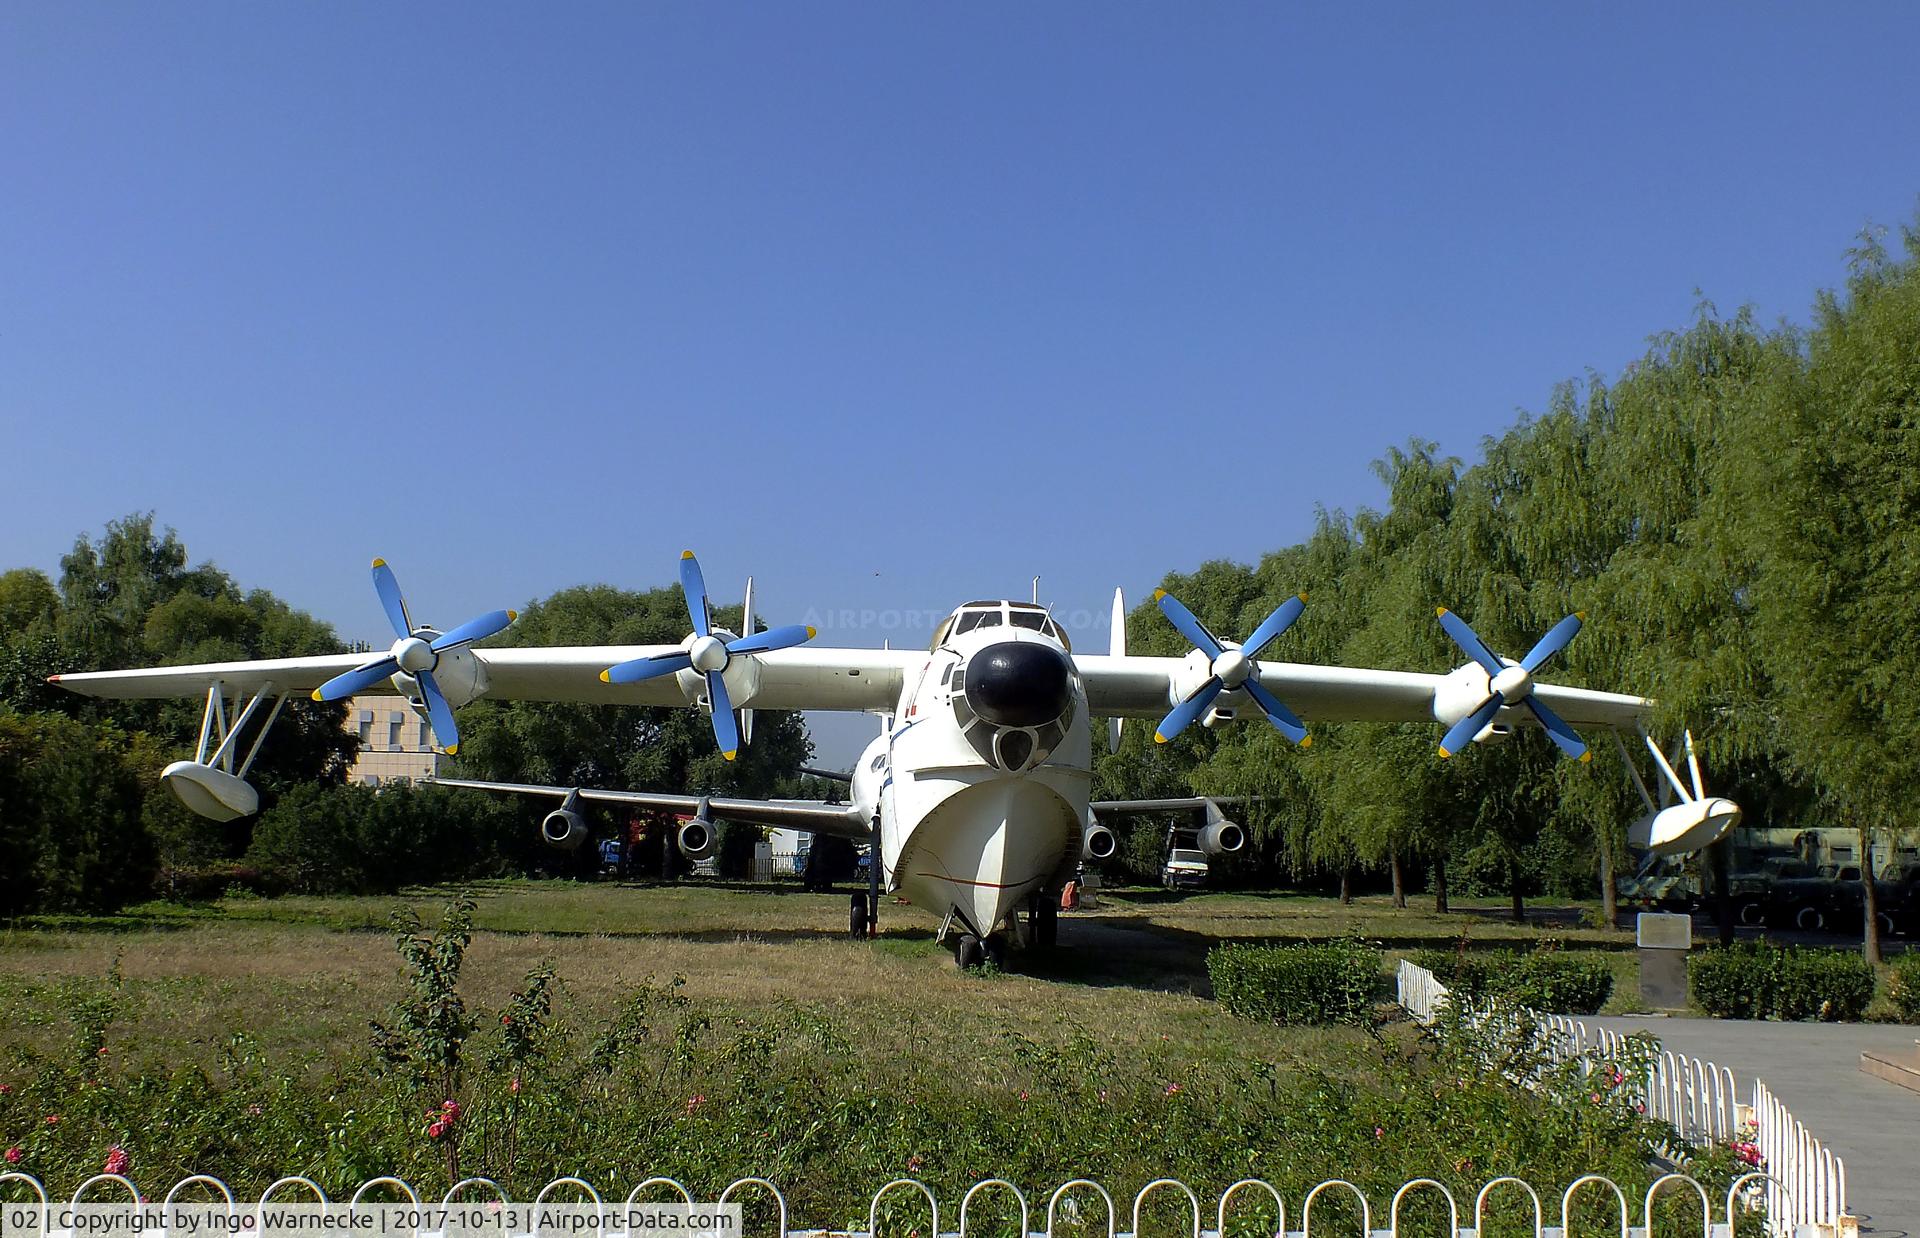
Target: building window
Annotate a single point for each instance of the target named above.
(393, 730)
(426, 736)
(366, 726)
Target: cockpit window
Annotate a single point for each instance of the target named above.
(977, 619)
(1029, 619)
(940, 634)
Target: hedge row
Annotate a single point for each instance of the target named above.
(1903, 986)
(1546, 979)
(1761, 980)
(1312, 982)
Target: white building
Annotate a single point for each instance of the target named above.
(395, 742)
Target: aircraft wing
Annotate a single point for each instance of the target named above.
(1123, 808)
(799, 678)
(811, 816)
(1143, 687)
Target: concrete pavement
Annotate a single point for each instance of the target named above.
(1814, 1068)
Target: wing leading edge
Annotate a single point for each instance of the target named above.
(812, 816)
(1144, 687)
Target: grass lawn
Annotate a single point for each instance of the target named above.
(787, 1049)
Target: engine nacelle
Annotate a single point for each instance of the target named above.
(697, 838)
(1685, 827)
(1220, 836)
(564, 827)
(1098, 843)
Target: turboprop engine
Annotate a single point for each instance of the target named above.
(1097, 842)
(1682, 828)
(1220, 836)
(564, 827)
(697, 837)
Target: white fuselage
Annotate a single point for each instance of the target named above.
(982, 807)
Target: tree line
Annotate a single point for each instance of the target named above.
(1738, 514)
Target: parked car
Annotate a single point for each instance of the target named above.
(1185, 869)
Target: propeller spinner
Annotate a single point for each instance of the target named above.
(1511, 683)
(1231, 666)
(416, 652)
(708, 654)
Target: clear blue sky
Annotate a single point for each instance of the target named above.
(891, 305)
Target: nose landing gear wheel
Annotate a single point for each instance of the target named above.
(970, 951)
(858, 918)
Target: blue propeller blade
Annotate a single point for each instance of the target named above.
(390, 600)
(1553, 642)
(641, 669)
(473, 630)
(439, 713)
(725, 730)
(1561, 734)
(1186, 711)
(1282, 718)
(1470, 642)
(694, 585)
(1188, 626)
(1464, 730)
(358, 679)
(1279, 621)
(773, 638)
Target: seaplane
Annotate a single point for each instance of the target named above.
(975, 797)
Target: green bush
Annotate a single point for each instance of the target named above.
(1314, 982)
(1903, 986)
(1761, 980)
(1546, 979)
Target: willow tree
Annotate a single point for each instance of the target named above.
(1836, 522)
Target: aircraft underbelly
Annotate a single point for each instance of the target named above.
(984, 850)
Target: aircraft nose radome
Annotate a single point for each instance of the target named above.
(1019, 683)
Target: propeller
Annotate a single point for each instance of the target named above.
(1510, 683)
(414, 654)
(708, 654)
(1231, 666)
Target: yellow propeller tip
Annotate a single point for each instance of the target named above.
(452, 748)
(1158, 594)
(1444, 754)
(729, 755)
(1439, 610)
(606, 676)
(1581, 615)
(1158, 738)
(686, 554)
(811, 633)
(1587, 755)
(317, 696)
(379, 562)
(1303, 595)
(1306, 741)
(512, 615)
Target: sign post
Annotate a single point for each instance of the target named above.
(1664, 940)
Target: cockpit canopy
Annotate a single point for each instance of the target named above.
(1000, 614)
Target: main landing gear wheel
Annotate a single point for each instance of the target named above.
(970, 952)
(1044, 918)
(859, 917)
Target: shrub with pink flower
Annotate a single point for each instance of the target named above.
(695, 1101)
(15, 1155)
(118, 1162)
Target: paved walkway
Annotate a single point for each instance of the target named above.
(1814, 1068)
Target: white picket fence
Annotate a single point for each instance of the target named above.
(1080, 1208)
(1805, 1184)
